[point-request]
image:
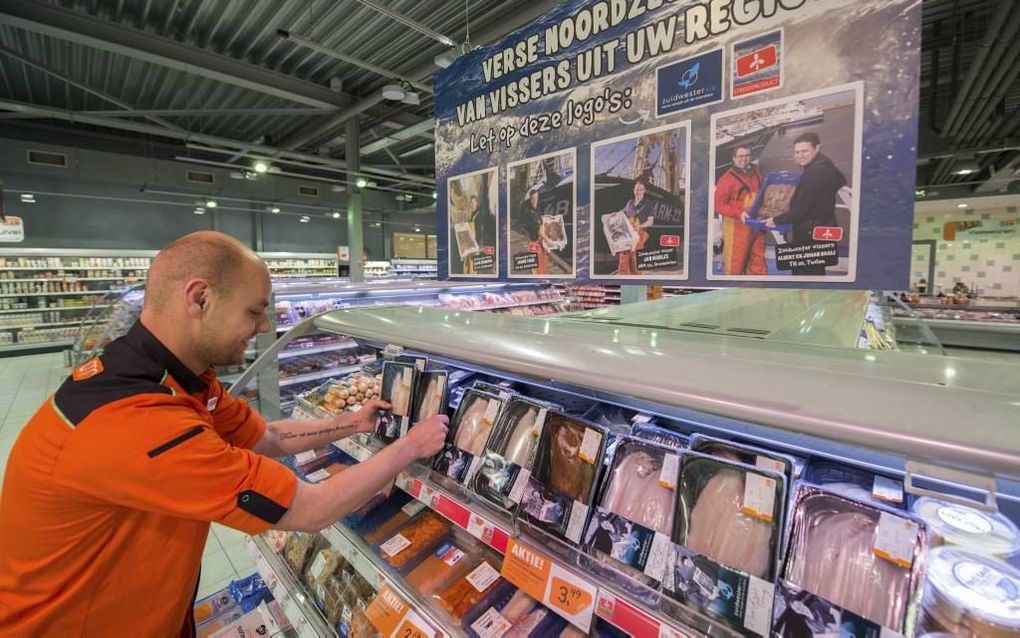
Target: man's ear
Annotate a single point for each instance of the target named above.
(196, 297)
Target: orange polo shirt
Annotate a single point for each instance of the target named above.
(110, 490)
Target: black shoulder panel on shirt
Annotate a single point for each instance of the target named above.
(261, 506)
(125, 373)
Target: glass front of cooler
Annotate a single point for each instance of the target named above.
(626, 471)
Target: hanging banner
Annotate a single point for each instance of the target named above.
(730, 142)
(12, 230)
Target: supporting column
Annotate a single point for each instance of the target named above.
(387, 238)
(355, 239)
(257, 227)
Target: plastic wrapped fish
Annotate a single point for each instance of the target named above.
(633, 489)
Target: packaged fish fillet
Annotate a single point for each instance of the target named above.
(746, 454)
(505, 607)
(429, 395)
(510, 448)
(861, 557)
(413, 542)
(469, 432)
(559, 492)
(376, 510)
(449, 560)
(970, 594)
(970, 528)
(397, 390)
(387, 526)
(855, 483)
(463, 594)
(660, 435)
(731, 513)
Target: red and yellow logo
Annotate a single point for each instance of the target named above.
(87, 370)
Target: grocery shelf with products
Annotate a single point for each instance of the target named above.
(47, 295)
(376, 269)
(414, 268)
(595, 295)
(558, 423)
(985, 324)
(285, 265)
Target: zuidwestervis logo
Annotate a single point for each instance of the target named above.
(689, 83)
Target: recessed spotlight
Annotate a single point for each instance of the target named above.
(210, 203)
(200, 211)
(336, 214)
(305, 219)
(433, 194)
(377, 225)
(417, 230)
(261, 167)
(361, 183)
(274, 209)
(28, 198)
(961, 205)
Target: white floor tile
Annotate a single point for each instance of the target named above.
(243, 564)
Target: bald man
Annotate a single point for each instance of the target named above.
(111, 486)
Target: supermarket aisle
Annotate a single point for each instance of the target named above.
(25, 382)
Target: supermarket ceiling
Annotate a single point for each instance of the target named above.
(215, 79)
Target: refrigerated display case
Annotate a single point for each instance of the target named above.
(783, 375)
(980, 324)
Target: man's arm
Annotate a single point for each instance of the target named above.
(286, 437)
(319, 505)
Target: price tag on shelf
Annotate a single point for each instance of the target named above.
(480, 528)
(393, 616)
(895, 539)
(566, 593)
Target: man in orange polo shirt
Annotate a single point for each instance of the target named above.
(111, 487)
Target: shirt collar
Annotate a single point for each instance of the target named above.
(139, 338)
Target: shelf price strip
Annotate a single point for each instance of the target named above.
(563, 591)
(393, 616)
(632, 620)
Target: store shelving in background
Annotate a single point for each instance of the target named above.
(376, 269)
(47, 295)
(284, 265)
(414, 268)
(595, 295)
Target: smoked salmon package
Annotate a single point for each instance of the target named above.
(450, 560)
(660, 435)
(557, 494)
(633, 522)
(850, 560)
(728, 534)
(413, 542)
(398, 381)
(480, 582)
(430, 394)
(469, 431)
(511, 448)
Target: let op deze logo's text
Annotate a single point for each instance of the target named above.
(689, 83)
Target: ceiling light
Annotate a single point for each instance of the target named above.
(28, 198)
(966, 166)
(200, 211)
(338, 188)
(274, 209)
(371, 184)
(261, 167)
(433, 194)
(412, 99)
(210, 203)
(393, 92)
(961, 205)
(444, 60)
(305, 219)
(417, 230)
(377, 224)
(361, 183)
(336, 214)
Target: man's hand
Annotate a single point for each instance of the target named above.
(365, 418)
(744, 217)
(770, 223)
(426, 438)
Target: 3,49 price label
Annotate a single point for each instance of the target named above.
(561, 590)
(569, 597)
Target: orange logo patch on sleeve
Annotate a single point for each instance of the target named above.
(87, 370)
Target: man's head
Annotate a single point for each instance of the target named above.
(639, 190)
(533, 197)
(742, 157)
(473, 202)
(206, 295)
(805, 148)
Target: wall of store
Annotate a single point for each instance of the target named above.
(990, 265)
(110, 201)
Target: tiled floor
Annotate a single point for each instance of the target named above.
(25, 382)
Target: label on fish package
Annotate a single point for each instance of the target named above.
(628, 542)
(576, 521)
(670, 471)
(517, 491)
(895, 540)
(888, 490)
(483, 576)
(491, 624)
(395, 545)
(759, 496)
(590, 446)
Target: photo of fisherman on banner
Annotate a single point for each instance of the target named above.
(784, 199)
(472, 217)
(639, 206)
(542, 206)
